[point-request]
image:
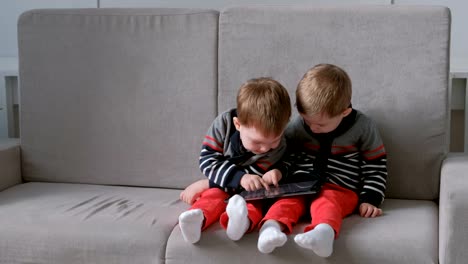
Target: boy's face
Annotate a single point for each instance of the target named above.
(322, 123)
(254, 140)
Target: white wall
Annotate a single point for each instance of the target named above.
(10, 11)
(459, 37)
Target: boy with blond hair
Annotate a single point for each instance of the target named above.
(242, 150)
(344, 147)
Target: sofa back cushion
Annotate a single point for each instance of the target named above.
(116, 96)
(396, 56)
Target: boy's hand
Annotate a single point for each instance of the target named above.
(272, 177)
(252, 182)
(194, 190)
(368, 210)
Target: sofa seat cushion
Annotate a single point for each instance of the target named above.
(78, 223)
(406, 233)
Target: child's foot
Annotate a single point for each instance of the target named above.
(190, 223)
(238, 222)
(270, 237)
(320, 240)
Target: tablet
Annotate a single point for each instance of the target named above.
(283, 190)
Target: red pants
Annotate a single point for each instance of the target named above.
(212, 203)
(332, 205)
(286, 211)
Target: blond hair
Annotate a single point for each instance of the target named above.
(324, 89)
(264, 103)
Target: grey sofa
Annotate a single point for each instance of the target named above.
(115, 103)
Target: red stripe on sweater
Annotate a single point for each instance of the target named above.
(374, 150)
(215, 141)
(212, 147)
(376, 156)
(261, 167)
(261, 163)
(345, 147)
(311, 146)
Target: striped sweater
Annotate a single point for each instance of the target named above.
(224, 160)
(352, 156)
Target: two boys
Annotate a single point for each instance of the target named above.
(338, 143)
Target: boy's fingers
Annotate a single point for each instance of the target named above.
(374, 211)
(362, 210)
(182, 197)
(265, 185)
(367, 212)
(256, 185)
(378, 212)
(274, 181)
(192, 201)
(194, 198)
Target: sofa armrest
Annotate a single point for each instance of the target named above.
(10, 168)
(453, 210)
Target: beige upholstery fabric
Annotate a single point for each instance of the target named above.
(396, 57)
(116, 96)
(10, 163)
(407, 233)
(53, 223)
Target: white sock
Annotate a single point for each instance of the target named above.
(270, 237)
(238, 222)
(190, 223)
(320, 240)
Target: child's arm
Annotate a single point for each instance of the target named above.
(194, 190)
(374, 172)
(213, 163)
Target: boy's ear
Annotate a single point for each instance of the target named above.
(347, 111)
(236, 122)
